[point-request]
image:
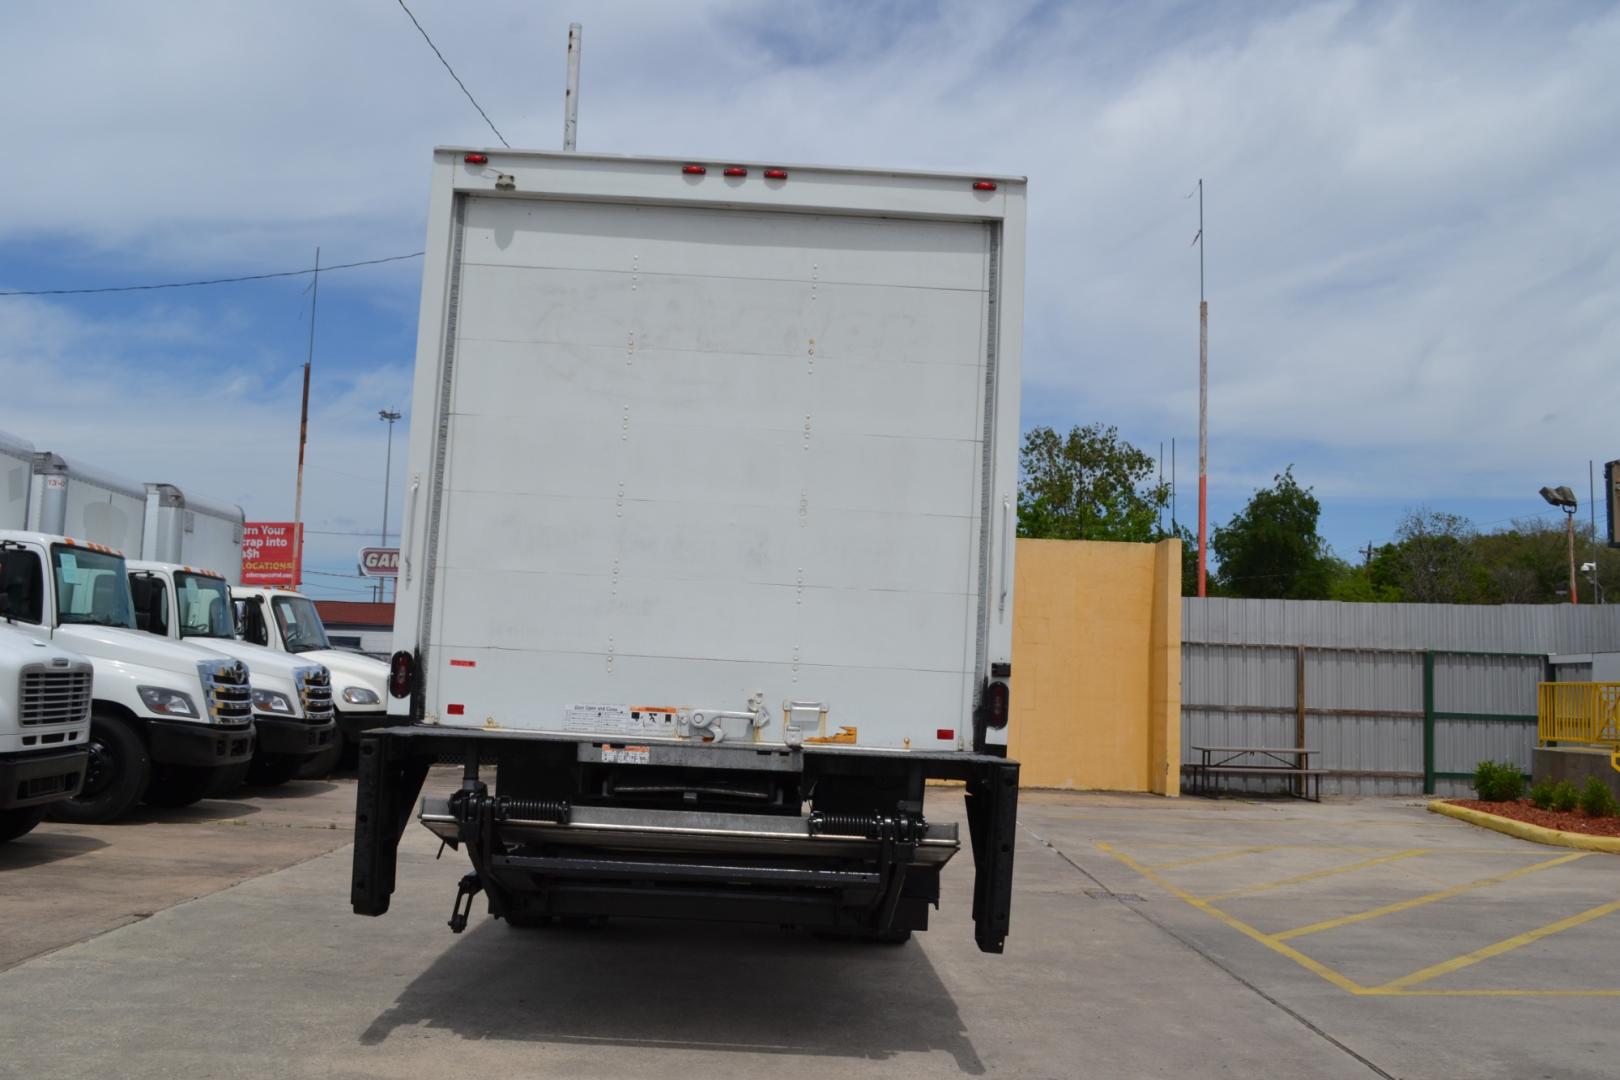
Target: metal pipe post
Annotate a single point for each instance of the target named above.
(303, 433)
(571, 94)
(1569, 520)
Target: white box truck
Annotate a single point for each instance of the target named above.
(708, 541)
(44, 720)
(292, 696)
(286, 621)
(167, 718)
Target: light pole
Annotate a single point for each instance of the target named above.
(388, 472)
(1564, 499)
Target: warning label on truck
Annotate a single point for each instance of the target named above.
(625, 755)
(657, 720)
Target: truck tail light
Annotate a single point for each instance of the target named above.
(399, 674)
(476, 159)
(997, 698)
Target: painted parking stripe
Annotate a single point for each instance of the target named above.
(1267, 886)
(1457, 963)
(1419, 901)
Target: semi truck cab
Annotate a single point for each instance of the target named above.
(44, 724)
(286, 621)
(292, 695)
(167, 717)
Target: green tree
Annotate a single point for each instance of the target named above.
(1271, 549)
(1435, 558)
(1088, 485)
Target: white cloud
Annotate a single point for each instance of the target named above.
(1412, 266)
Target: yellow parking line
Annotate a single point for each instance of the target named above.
(1214, 858)
(1457, 963)
(1318, 969)
(1419, 901)
(1267, 886)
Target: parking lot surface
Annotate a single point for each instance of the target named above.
(1150, 937)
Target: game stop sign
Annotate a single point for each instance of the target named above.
(379, 562)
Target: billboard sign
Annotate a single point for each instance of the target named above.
(1611, 491)
(379, 562)
(270, 554)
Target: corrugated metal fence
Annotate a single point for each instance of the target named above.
(1398, 698)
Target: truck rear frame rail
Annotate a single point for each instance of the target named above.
(865, 861)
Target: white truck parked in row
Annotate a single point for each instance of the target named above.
(167, 718)
(708, 542)
(44, 719)
(292, 696)
(286, 621)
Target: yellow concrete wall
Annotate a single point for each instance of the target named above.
(1096, 699)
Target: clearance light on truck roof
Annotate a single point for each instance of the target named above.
(693, 170)
(984, 185)
(776, 174)
(476, 159)
(736, 170)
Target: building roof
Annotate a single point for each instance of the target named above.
(356, 614)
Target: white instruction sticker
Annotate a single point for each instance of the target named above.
(608, 719)
(625, 755)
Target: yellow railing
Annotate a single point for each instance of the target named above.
(1580, 712)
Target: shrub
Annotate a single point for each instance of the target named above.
(1498, 781)
(1564, 796)
(1596, 799)
(1541, 795)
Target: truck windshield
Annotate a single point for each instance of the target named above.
(91, 587)
(301, 628)
(204, 606)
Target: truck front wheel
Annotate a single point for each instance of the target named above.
(173, 786)
(15, 823)
(114, 779)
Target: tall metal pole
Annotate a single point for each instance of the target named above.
(1591, 509)
(571, 95)
(1203, 402)
(303, 432)
(388, 472)
(1569, 518)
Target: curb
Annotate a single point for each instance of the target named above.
(1526, 831)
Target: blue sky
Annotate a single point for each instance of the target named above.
(1414, 274)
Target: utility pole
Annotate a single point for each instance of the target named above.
(1203, 401)
(571, 94)
(303, 432)
(389, 415)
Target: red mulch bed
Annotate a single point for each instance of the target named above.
(1522, 810)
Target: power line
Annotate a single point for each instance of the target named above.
(454, 76)
(210, 281)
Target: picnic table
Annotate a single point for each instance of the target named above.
(1291, 761)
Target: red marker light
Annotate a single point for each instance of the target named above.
(476, 159)
(455, 710)
(945, 734)
(736, 170)
(776, 174)
(400, 672)
(984, 185)
(693, 170)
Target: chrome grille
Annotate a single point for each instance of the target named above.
(60, 696)
(230, 699)
(315, 690)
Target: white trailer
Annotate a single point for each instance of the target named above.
(16, 480)
(73, 499)
(189, 529)
(708, 540)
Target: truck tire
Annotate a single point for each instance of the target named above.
(115, 778)
(321, 765)
(174, 786)
(15, 823)
(270, 771)
(227, 780)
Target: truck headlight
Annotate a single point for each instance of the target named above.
(273, 701)
(359, 695)
(167, 702)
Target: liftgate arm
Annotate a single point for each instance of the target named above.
(392, 771)
(992, 813)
